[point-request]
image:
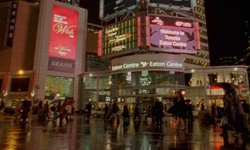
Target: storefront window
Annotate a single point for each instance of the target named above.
(236, 77)
(59, 87)
(104, 82)
(90, 82)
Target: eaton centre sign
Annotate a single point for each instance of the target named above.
(148, 62)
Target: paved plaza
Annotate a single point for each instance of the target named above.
(96, 134)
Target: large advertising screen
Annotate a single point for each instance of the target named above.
(112, 8)
(173, 4)
(170, 34)
(63, 39)
(119, 37)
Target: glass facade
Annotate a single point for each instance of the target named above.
(200, 84)
(60, 87)
(130, 87)
(146, 83)
(144, 86)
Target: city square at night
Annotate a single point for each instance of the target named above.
(124, 74)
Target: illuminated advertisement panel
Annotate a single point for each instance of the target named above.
(63, 39)
(170, 34)
(173, 4)
(112, 8)
(119, 37)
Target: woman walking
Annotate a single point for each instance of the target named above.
(179, 110)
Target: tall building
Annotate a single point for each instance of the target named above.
(149, 44)
(42, 49)
(202, 56)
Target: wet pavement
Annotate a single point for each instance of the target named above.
(96, 134)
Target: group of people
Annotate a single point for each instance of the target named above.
(154, 112)
(62, 111)
(23, 109)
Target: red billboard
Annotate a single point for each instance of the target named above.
(63, 39)
(63, 33)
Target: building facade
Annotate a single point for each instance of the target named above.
(42, 51)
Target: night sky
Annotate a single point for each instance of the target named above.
(225, 25)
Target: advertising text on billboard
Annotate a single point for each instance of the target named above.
(63, 33)
(63, 38)
(172, 34)
(120, 37)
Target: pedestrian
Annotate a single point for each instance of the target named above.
(46, 110)
(190, 116)
(125, 113)
(106, 110)
(179, 110)
(136, 112)
(40, 111)
(25, 111)
(149, 116)
(64, 113)
(69, 111)
(114, 112)
(245, 106)
(158, 112)
(233, 112)
(87, 110)
(18, 105)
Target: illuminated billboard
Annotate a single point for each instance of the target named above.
(63, 39)
(119, 38)
(112, 8)
(170, 34)
(173, 4)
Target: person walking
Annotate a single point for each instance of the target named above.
(190, 116)
(136, 112)
(25, 111)
(87, 111)
(40, 111)
(114, 112)
(125, 113)
(18, 105)
(106, 110)
(233, 112)
(158, 112)
(246, 111)
(46, 110)
(69, 111)
(180, 110)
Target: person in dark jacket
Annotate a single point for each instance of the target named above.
(158, 112)
(136, 112)
(233, 111)
(114, 111)
(25, 111)
(246, 110)
(88, 108)
(106, 110)
(125, 113)
(180, 110)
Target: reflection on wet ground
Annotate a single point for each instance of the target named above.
(97, 134)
